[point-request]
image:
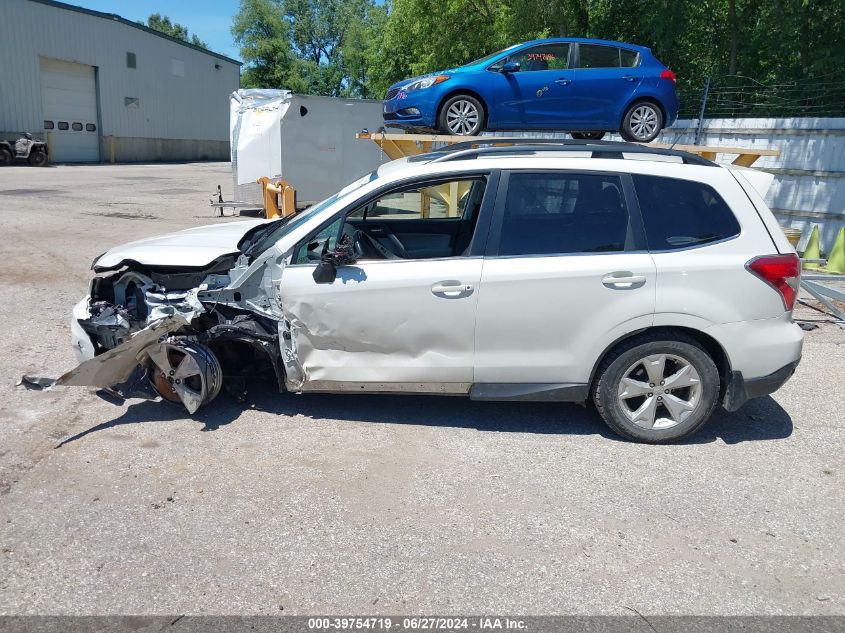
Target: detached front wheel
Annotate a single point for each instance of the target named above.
(657, 391)
(642, 122)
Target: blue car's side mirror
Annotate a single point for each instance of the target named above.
(511, 67)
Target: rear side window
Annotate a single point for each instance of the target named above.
(682, 213)
(598, 56)
(628, 59)
(549, 214)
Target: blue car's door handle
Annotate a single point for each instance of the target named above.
(629, 78)
(563, 82)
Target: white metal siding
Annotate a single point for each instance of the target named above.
(195, 106)
(69, 99)
(809, 174)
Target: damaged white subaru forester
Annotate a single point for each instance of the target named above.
(654, 282)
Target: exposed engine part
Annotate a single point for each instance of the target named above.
(185, 372)
(109, 324)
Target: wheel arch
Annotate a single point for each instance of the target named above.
(463, 90)
(643, 98)
(710, 345)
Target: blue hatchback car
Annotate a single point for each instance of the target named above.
(586, 86)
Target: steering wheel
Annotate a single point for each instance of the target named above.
(371, 247)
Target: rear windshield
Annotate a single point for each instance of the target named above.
(682, 213)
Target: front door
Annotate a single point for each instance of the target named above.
(563, 279)
(535, 95)
(402, 318)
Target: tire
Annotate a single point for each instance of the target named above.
(657, 421)
(587, 136)
(6, 157)
(461, 115)
(642, 122)
(37, 158)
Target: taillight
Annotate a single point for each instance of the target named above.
(781, 272)
(668, 74)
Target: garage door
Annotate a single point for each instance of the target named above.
(69, 102)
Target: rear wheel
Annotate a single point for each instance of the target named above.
(642, 122)
(37, 158)
(587, 136)
(6, 157)
(656, 390)
(461, 115)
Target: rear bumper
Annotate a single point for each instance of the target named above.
(740, 390)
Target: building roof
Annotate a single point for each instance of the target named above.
(116, 18)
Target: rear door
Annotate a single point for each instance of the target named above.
(604, 80)
(564, 277)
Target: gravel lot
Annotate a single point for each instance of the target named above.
(376, 504)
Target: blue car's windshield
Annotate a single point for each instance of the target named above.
(491, 56)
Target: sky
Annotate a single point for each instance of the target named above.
(209, 19)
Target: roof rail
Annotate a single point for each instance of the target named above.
(491, 145)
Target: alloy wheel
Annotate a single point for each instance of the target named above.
(462, 117)
(659, 391)
(189, 374)
(644, 121)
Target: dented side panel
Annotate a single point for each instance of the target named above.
(393, 321)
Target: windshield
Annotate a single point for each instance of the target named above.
(268, 234)
(491, 56)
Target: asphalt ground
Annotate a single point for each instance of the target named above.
(367, 504)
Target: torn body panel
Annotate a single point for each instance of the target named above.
(179, 330)
(412, 322)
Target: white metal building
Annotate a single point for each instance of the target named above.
(98, 87)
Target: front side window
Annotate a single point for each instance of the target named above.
(551, 214)
(682, 213)
(536, 58)
(598, 56)
(434, 220)
(437, 201)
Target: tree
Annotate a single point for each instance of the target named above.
(359, 48)
(162, 24)
(308, 46)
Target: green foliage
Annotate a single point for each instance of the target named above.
(309, 46)
(359, 48)
(162, 24)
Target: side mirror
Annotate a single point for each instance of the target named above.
(344, 254)
(325, 272)
(511, 67)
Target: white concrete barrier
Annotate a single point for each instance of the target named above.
(809, 185)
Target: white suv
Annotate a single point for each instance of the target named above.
(653, 282)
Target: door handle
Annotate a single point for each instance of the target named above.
(629, 78)
(563, 82)
(623, 280)
(451, 288)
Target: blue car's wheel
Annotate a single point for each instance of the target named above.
(587, 136)
(642, 122)
(461, 115)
